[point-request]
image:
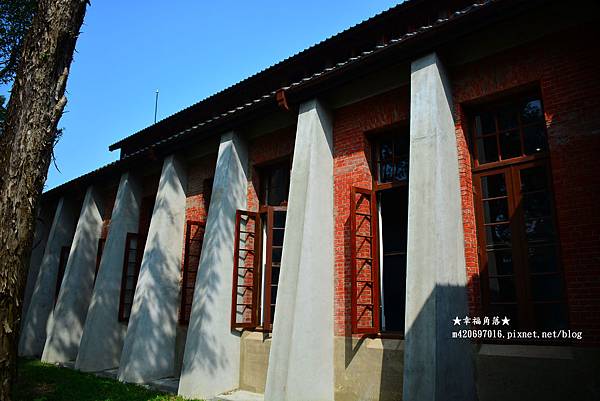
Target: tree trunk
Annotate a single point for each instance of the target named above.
(36, 104)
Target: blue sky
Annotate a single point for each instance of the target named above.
(186, 49)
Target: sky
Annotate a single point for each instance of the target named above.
(187, 50)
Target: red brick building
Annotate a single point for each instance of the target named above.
(407, 209)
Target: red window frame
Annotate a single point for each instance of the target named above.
(62, 266)
(194, 236)
(99, 252)
(518, 247)
(125, 307)
(246, 270)
(364, 255)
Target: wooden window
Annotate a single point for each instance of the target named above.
(518, 240)
(101, 243)
(365, 300)
(391, 151)
(266, 233)
(378, 238)
(275, 184)
(62, 265)
(246, 270)
(509, 130)
(194, 235)
(134, 249)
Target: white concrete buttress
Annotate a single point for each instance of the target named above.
(436, 367)
(66, 323)
(43, 224)
(102, 339)
(211, 361)
(33, 336)
(149, 349)
(301, 356)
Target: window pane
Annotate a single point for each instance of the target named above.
(276, 255)
(510, 144)
(493, 186)
(279, 219)
(487, 149)
(550, 316)
(532, 112)
(533, 179)
(278, 237)
(507, 119)
(542, 259)
(495, 211)
(484, 124)
(497, 235)
(546, 288)
(401, 169)
(500, 262)
(539, 229)
(534, 138)
(502, 289)
(536, 204)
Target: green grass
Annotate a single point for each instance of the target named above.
(39, 381)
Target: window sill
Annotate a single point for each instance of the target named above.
(527, 351)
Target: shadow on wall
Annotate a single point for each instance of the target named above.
(220, 232)
(154, 329)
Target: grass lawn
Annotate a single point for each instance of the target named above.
(39, 381)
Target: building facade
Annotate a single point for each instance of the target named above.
(407, 210)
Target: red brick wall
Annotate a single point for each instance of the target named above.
(565, 68)
(198, 175)
(265, 149)
(351, 168)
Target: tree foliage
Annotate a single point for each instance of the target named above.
(15, 20)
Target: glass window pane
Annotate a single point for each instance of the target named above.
(276, 255)
(532, 112)
(495, 211)
(498, 235)
(485, 124)
(493, 186)
(533, 179)
(500, 262)
(279, 219)
(536, 204)
(401, 169)
(550, 316)
(278, 237)
(507, 119)
(510, 144)
(546, 288)
(534, 139)
(487, 149)
(502, 289)
(542, 259)
(386, 171)
(539, 229)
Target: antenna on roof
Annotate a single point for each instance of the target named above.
(155, 106)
